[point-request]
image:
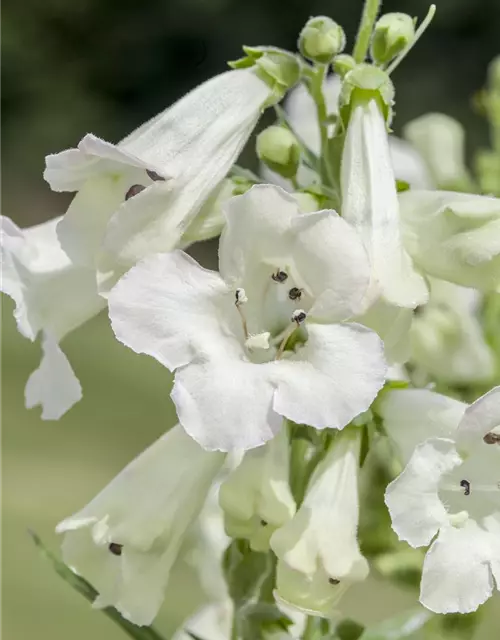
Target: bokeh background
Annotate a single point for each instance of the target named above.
(105, 66)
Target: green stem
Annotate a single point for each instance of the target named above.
(370, 12)
(315, 86)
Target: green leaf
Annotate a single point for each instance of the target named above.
(89, 593)
(400, 626)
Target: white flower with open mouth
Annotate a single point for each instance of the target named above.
(52, 296)
(126, 540)
(140, 196)
(450, 487)
(318, 552)
(264, 338)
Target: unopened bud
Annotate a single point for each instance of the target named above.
(366, 82)
(278, 148)
(343, 64)
(392, 33)
(321, 39)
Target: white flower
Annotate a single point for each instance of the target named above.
(303, 274)
(440, 141)
(318, 552)
(370, 204)
(451, 487)
(301, 110)
(126, 540)
(453, 236)
(256, 497)
(447, 340)
(140, 196)
(52, 296)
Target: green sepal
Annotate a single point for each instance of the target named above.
(402, 186)
(366, 82)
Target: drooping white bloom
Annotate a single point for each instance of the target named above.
(140, 196)
(289, 278)
(52, 296)
(301, 110)
(125, 541)
(256, 497)
(446, 336)
(453, 236)
(318, 552)
(370, 204)
(450, 487)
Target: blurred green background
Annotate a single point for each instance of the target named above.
(105, 66)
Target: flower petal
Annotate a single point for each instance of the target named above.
(369, 202)
(174, 310)
(333, 378)
(226, 404)
(482, 416)
(53, 385)
(414, 415)
(412, 498)
(457, 576)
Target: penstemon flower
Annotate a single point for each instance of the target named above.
(126, 540)
(318, 552)
(140, 196)
(52, 296)
(265, 338)
(449, 494)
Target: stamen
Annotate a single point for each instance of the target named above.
(333, 581)
(279, 276)
(240, 299)
(115, 548)
(154, 176)
(263, 523)
(298, 317)
(295, 293)
(466, 485)
(134, 190)
(492, 438)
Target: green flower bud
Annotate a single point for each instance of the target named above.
(366, 82)
(321, 39)
(280, 69)
(343, 64)
(392, 33)
(278, 148)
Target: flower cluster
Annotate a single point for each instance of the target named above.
(355, 305)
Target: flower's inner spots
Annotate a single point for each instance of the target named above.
(115, 548)
(333, 581)
(295, 293)
(279, 276)
(492, 438)
(154, 176)
(466, 486)
(134, 190)
(264, 523)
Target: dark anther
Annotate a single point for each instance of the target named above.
(115, 548)
(134, 190)
(264, 523)
(466, 485)
(492, 438)
(154, 176)
(279, 276)
(333, 581)
(299, 317)
(295, 293)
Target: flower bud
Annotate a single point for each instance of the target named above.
(364, 83)
(321, 39)
(392, 33)
(343, 64)
(278, 148)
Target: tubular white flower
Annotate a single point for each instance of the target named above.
(316, 371)
(453, 236)
(53, 296)
(370, 204)
(140, 196)
(256, 497)
(451, 487)
(446, 336)
(125, 541)
(318, 552)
